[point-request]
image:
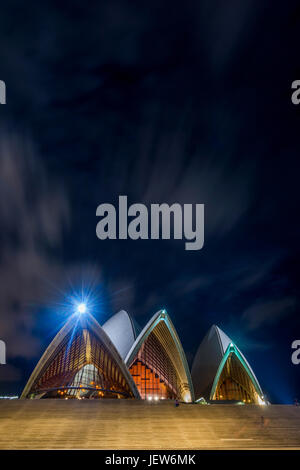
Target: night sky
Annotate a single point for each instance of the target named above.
(162, 101)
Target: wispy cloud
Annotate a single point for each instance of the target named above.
(34, 213)
(268, 312)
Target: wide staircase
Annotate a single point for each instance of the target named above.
(133, 424)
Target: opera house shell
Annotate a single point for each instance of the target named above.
(81, 361)
(154, 356)
(86, 360)
(221, 373)
(120, 360)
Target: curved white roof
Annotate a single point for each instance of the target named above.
(171, 344)
(208, 359)
(225, 342)
(223, 338)
(120, 330)
(86, 321)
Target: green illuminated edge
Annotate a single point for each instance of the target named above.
(233, 349)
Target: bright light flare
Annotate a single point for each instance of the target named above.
(81, 308)
(261, 401)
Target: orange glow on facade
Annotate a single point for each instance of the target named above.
(148, 383)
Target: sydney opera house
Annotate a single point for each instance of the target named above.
(120, 360)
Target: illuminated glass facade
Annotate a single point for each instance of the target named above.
(234, 382)
(157, 362)
(153, 371)
(85, 360)
(81, 362)
(221, 372)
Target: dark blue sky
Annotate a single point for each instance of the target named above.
(185, 102)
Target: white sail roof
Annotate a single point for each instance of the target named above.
(121, 331)
(208, 359)
(168, 337)
(84, 322)
(223, 338)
